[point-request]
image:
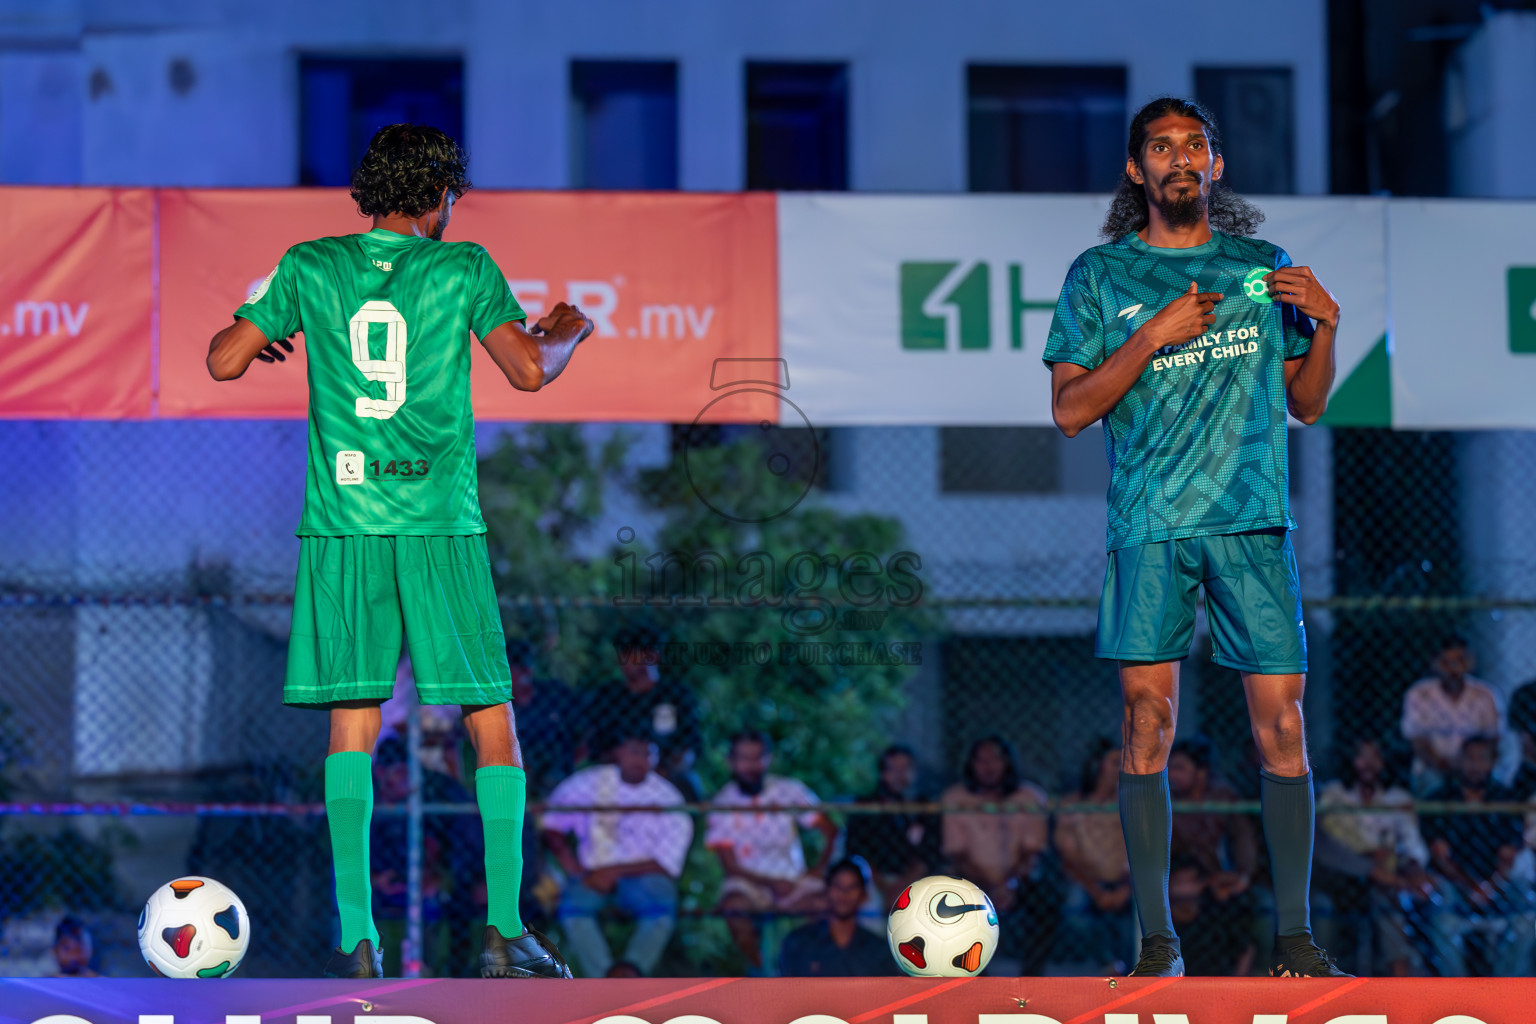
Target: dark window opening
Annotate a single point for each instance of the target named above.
(1253, 109)
(344, 101)
(1045, 129)
(797, 126)
(624, 130)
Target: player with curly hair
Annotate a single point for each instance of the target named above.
(1190, 340)
(391, 541)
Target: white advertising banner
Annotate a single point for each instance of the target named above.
(935, 309)
(1463, 287)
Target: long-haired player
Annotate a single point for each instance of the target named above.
(1190, 339)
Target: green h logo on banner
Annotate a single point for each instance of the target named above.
(1522, 310)
(948, 305)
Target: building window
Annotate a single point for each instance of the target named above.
(797, 126)
(1045, 129)
(624, 124)
(1254, 110)
(999, 460)
(344, 100)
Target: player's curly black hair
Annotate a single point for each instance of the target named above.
(1229, 212)
(405, 170)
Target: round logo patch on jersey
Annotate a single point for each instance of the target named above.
(1255, 287)
(261, 287)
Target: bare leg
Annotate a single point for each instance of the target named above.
(493, 734)
(355, 726)
(1151, 694)
(1274, 713)
(743, 927)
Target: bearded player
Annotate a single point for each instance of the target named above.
(1190, 340)
(392, 541)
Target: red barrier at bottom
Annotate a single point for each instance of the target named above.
(776, 1001)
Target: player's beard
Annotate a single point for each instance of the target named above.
(1182, 209)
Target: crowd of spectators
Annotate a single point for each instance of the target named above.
(1410, 879)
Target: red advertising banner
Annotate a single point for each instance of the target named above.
(216, 246)
(673, 282)
(777, 1001)
(76, 301)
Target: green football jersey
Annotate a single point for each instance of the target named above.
(386, 320)
(1198, 445)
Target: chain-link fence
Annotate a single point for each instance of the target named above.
(898, 619)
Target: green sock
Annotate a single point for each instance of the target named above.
(502, 791)
(348, 811)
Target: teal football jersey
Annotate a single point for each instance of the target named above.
(1198, 445)
(387, 320)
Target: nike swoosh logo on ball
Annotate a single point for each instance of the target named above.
(946, 910)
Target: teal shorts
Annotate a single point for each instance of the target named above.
(1252, 602)
(357, 597)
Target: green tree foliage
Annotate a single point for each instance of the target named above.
(541, 489)
(788, 585)
(710, 583)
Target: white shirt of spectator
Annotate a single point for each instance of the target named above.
(605, 838)
(765, 844)
(1429, 712)
(1367, 831)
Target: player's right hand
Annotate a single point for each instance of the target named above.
(1182, 320)
(273, 354)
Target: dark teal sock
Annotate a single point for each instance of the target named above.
(1289, 816)
(348, 812)
(1146, 815)
(501, 791)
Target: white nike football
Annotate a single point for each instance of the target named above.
(942, 927)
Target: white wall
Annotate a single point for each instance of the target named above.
(237, 125)
(1491, 109)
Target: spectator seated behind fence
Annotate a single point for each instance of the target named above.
(630, 860)
(73, 949)
(547, 720)
(452, 863)
(837, 946)
(1224, 844)
(765, 870)
(643, 696)
(1522, 722)
(443, 738)
(1091, 847)
(1216, 938)
(1000, 850)
(1443, 710)
(1367, 859)
(1483, 871)
(899, 847)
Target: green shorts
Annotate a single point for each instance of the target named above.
(357, 596)
(1252, 602)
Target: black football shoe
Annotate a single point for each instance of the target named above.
(1160, 958)
(366, 961)
(1297, 956)
(530, 955)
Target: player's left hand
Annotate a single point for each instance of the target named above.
(1299, 287)
(275, 354)
(563, 317)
